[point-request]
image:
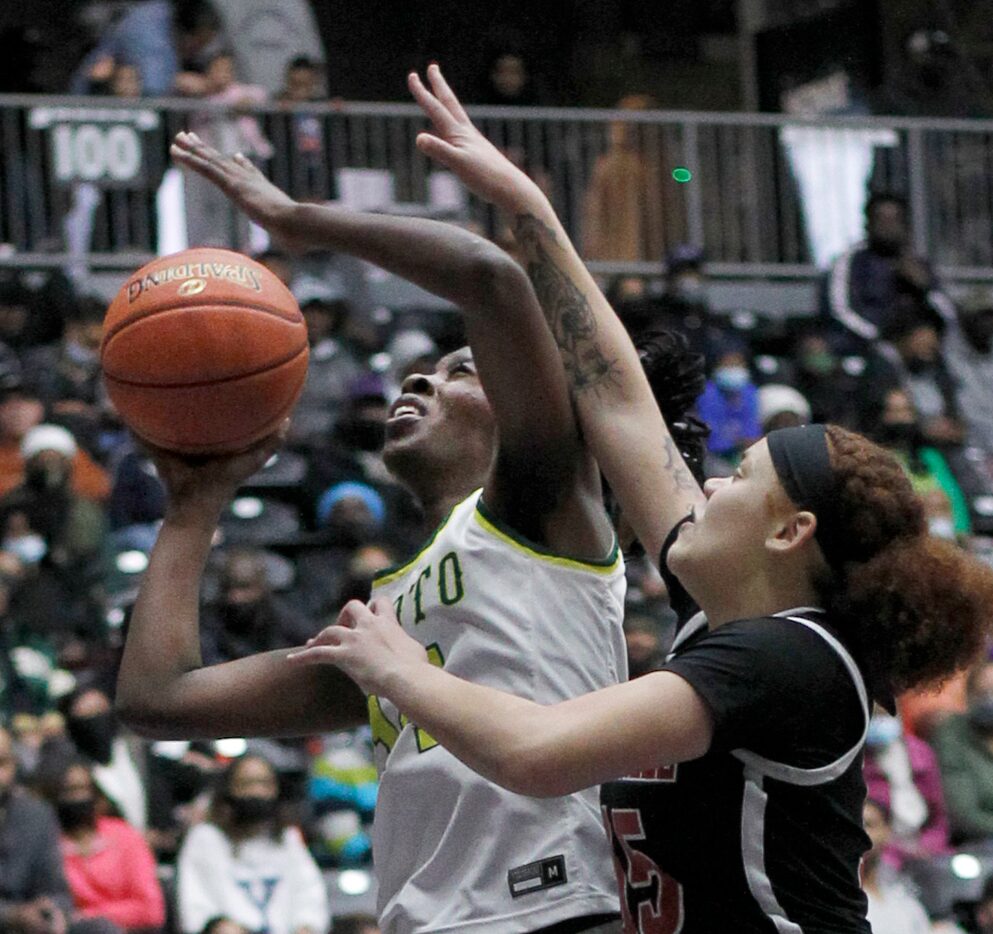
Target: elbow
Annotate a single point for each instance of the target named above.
(144, 718)
(536, 773)
(493, 277)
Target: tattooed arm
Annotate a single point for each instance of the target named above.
(620, 419)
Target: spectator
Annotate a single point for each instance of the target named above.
(833, 394)
(44, 504)
(209, 218)
(968, 351)
(893, 423)
(729, 404)
(109, 867)
(351, 512)
(34, 896)
(510, 83)
(333, 366)
(629, 213)
(892, 909)
(302, 81)
(902, 774)
(224, 926)
(247, 617)
(302, 85)
(66, 375)
(93, 728)
(165, 38)
(782, 407)
(920, 369)
(246, 864)
(21, 409)
(862, 286)
(964, 744)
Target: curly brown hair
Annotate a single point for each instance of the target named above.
(916, 608)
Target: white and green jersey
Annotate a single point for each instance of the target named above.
(454, 852)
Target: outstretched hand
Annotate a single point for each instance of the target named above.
(366, 643)
(243, 184)
(460, 147)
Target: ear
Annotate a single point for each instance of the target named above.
(793, 533)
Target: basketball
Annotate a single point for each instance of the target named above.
(204, 352)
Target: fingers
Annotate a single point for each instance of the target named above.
(444, 121)
(316, 655)
(445, 94)
(380, 606)
(437, 149)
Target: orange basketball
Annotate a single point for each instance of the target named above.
(204, 352)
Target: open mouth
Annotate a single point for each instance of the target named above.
(407, 407)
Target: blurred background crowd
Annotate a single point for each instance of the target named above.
(111, 833)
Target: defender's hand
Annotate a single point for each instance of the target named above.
(366, 643)
(459, 146)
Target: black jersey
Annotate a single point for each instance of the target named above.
(764, 832)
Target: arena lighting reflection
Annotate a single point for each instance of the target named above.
(354, 881)
(966, 866)
(231, 748)
(247, 507)
(132, 562)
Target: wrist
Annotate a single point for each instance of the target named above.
(203, 510)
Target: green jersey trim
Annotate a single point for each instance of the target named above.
(398, 570)
(515, 540)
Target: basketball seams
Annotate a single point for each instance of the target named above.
(294, 318)
(270, 365)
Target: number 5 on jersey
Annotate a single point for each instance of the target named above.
(652, 902)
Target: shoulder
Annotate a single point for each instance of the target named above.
(117, 829)
(24, 807)
(205, 835)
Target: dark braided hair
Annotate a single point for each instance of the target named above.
(677, 377)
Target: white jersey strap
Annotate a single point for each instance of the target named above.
(794, 775)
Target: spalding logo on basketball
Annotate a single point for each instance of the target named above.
(204, 352)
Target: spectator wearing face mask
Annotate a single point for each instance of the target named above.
(901, 773)
(968, 350)
(22, 409)
(729, 404)
(246, 864)
(109, 867)
(892, 421)
(915, 354)
(964, 744)
(247, 617)
(353, 513)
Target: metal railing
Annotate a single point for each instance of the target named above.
(81, 179)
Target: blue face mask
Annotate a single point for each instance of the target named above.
(732, 378)
(883, 730)
(29, 548)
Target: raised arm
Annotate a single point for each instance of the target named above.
(163, 690)
(619, 417)
(541, 456)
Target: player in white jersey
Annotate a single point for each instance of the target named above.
(521, 588)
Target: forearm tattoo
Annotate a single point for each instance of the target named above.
(676, 467)
(566, 309)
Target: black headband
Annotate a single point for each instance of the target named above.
(803, 465)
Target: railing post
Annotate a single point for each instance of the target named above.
(917, 182)
(694, 193)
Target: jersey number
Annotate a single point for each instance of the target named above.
(652, 902)
(385, 731)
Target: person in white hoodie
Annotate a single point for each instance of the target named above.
(244, 863)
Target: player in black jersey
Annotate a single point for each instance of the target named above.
(807, 587)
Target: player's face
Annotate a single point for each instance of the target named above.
(441, 413)
(726, 538)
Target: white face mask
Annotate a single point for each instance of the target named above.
(731, 378)
(29, 548)
(942, 527)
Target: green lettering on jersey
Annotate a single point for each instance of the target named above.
(450, 588)
(415, 588)
(424, 740)
(383, 730)
(398, 608)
